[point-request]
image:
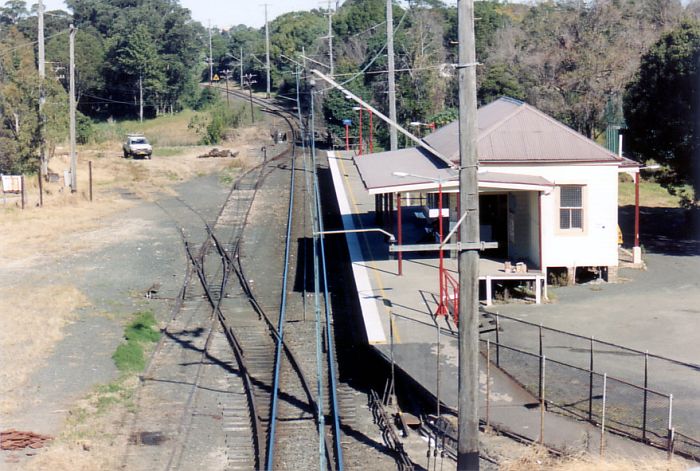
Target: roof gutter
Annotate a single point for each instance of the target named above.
(384, 118)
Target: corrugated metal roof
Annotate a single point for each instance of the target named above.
(512, 131)
(377, 172)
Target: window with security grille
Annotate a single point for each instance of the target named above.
(571, 207)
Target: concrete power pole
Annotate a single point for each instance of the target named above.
(393, 135)
(468, 389)
(71, 106)
(42, 92)
(330, 38)
(267, 51)
(211, 59)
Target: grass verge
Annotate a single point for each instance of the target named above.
(129, 356)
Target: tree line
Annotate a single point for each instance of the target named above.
(590, 64)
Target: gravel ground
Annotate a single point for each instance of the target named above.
(114, 279)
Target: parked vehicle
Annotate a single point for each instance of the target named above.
(136, 145)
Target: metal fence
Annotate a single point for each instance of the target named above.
(648, 397)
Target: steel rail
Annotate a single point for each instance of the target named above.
(280, 324)
(329, 334)
(278, 332)
(235, 262)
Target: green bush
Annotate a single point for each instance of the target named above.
(207, 98)
(84, 130)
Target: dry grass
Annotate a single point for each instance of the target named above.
(27, 310)
(650, 195)
(94, 437)
(536, 458)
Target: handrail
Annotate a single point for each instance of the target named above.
(602, 342)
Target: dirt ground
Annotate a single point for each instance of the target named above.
(48, 254)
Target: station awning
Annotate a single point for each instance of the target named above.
(423, 172)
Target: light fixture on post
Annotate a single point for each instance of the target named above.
(347, 123)
(420, 124)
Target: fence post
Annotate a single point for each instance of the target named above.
(602, 421)
(90, 176)
(670, 426)
(646, 394)
(41, 190)
(22, 190)
(590, 385)
(542, 400)
(671, 436)
(488, 381)
(498, 343)
(541, 355)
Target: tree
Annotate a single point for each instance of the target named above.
(89, 64)
(662, 106)
(13, 12)
(19, 104)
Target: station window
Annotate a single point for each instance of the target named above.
(571, 207)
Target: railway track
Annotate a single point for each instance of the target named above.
(225, 388)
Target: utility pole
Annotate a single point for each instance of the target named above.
(393, 135)
(330, 38)
(227, 73)
(71, 106)
(249, 81)
(468, 388)
(241, 73)
(42, 92)
(141, 97)
(267, 51)
(211, 58)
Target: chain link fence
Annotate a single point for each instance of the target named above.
(644, 396)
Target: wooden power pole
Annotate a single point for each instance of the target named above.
(211, 58)
(393, 135)
(73, 155)
(267, 51)
(44, 165)
(468, 389)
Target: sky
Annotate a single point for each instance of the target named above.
(226, 13)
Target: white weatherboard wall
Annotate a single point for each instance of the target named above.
(596, 245)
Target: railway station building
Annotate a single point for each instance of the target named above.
(547, 194)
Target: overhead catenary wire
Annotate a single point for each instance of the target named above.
(371, 62)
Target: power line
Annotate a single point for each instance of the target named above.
(33, 43)
(374, 59)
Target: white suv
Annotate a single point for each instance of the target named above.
(137, 145)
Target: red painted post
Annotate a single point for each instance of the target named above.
(360, 111)
(398, 208)
(371, 133)
(442, 308)
(347, 137)
(636, 209)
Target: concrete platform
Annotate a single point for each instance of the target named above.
(403, 307)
